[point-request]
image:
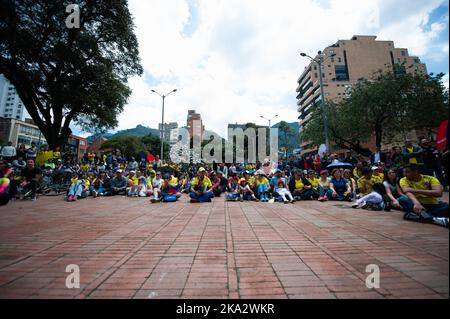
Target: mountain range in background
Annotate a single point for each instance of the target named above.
(141, 130)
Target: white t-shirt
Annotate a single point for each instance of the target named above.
(157, 183)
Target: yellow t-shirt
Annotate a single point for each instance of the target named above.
(84, 167)
(134, 180)
(380, 176)
(206, 182)
(412, 160)
(299, 184)
(262, 181)
(355, 172)
(315, 182)
(56, 155)
(426, 182)
(173, 181)
(374, 179)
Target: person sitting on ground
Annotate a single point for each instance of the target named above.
(100, 185)
(245, 191)
(279, 185)
(49, 164)
(19, 163)
(169, 192)
(374, 200)
(156, 184)
(142, 184)
(132, 165)
(201, 188)
(30, 176)
(324, 182)
(351, 181)
(262, 186)
(421, 199)
(393, 189)
(119, 183)
(300, 187)
(5, 175)
(339, 187)
(315, 183)
(232, 188)
(378, 172)
(133, 181)
(366, 181)
(184, 183)
(219, 183)
(78, 188)
(357, 171)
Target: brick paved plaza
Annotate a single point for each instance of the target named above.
(129, 248)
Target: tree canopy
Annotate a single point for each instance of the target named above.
(66, 75)
(387, 105)
(133, 145)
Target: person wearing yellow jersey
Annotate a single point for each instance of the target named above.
(262, 186)
(351, 182)
(300, 187)
(56, 154)
(421, 199)
(412, 154)
(378, 172)
(201, 188)
(365, 183)
(84, 167)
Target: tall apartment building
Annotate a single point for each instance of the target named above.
(11, 105)
(360, 57)
(195, 125)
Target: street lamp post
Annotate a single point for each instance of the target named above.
(269, 119)
(162, 121)
(319, 62)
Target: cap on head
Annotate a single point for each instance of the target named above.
(201, 169)
(119, 171)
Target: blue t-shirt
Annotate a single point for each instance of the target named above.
(339, 186)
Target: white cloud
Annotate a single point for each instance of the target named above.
(242, 59)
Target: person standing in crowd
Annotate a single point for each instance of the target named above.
(32, 152)
(421, 199)
(9, 152)
(397, 158)
(378, 157)
(431, 162)
(412, 154)
(21, 151)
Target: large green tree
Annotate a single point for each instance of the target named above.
(134, 145)
(66, 75)
(389, 104)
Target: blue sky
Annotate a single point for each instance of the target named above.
(234, 60)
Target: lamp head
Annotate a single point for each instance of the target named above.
(303, 54)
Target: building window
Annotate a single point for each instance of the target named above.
(341, 73)
(403, 53)
(315, 75)
(332, 59)
(339, 60)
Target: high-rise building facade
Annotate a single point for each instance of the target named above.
(169, 131)
(195, 125)
(11, 105)
(354, 59)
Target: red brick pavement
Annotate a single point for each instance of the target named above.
(129, 248)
